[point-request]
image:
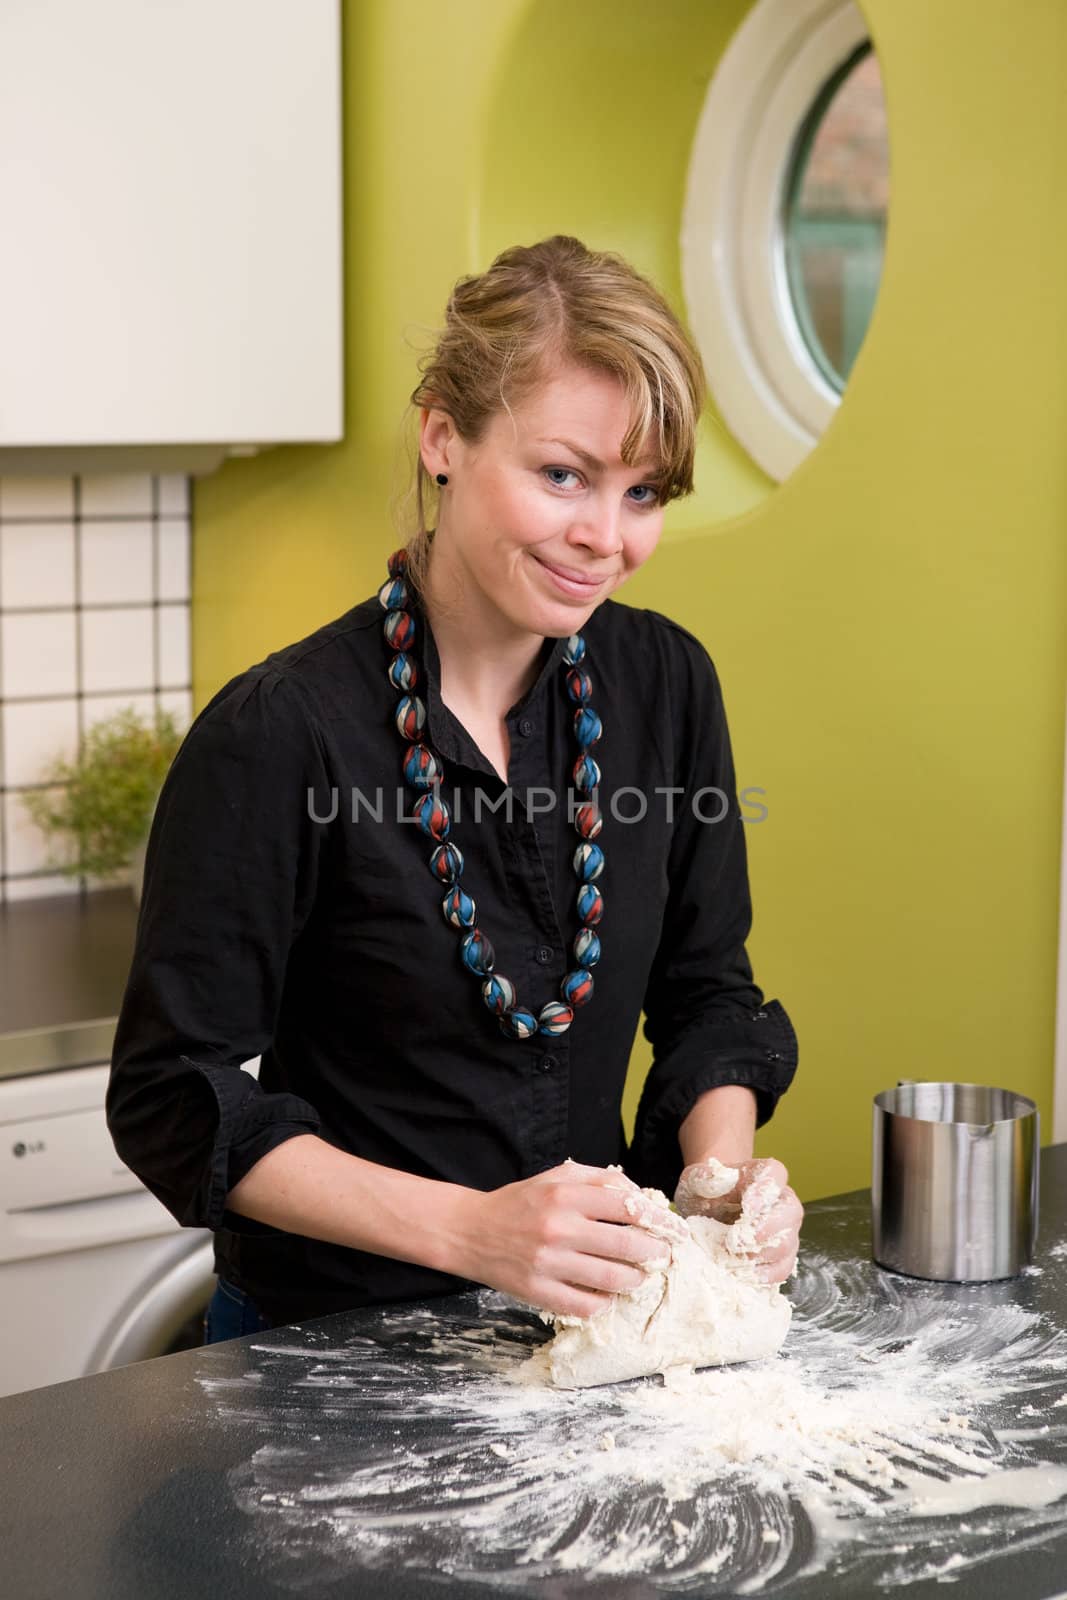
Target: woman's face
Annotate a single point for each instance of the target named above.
(539, 533)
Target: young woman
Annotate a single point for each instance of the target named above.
(432, 862)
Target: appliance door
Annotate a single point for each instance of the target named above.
(94, 1271)
(67, 1315)
(165, 1312)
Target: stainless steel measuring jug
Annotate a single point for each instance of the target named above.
(954, 1183)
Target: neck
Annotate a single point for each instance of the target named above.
(487, 663)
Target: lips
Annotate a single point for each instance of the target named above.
(591, 581)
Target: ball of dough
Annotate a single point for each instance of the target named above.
(705, 1308)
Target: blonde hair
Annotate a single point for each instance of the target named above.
(541, 306)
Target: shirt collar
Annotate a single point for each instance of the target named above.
(447, 734)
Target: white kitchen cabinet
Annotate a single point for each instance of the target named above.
(170, 200)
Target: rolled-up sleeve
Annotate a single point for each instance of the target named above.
(705, 1017)
(230, 876)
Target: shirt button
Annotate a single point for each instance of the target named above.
(526, 727)
(547, 1064)
(545, 955)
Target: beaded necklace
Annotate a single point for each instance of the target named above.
(423, 770)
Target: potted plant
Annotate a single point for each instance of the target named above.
(107, 794)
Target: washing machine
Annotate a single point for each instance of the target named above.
(94, 1271)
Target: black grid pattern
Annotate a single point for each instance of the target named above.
(17, 880)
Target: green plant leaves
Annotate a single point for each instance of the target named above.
(108, 792)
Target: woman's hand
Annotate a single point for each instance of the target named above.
(778, 1229)
(566, 1240)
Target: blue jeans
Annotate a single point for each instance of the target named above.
(231, 1314)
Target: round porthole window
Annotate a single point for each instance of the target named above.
(785, 219)
(836, 195)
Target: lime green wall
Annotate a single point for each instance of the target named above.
(888, 624)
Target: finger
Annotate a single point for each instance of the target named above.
(566, 1261)
(612, 1225)
(595, 1222)
(635, 1246)
(607, 1204)
(783, 1244)
(762, 1194)
(778, 1271)
(656, 1218)
(567, 1300)
(604, 1202)
(577, 1172)
(764, 1168)
(785, 1217)
(762, 1185)
(595, 1272)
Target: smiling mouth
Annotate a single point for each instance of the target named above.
(572, 577)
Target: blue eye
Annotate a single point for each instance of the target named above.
(569, 472)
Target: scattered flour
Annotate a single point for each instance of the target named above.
(882, 1443)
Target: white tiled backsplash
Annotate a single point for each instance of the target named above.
(94, 615)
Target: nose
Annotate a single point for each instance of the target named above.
(600, 529)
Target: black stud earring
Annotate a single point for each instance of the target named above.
(441, 478)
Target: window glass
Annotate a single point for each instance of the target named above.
(836, 199)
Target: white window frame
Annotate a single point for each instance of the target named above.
(764, 379)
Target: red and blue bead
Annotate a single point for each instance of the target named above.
(498, 993)
(403, 673)
(400, 629)
(577, 987)
(554, 1018)
(410, 716)
(588, 861)
(421, 767)
(446, 862)
(458, 907)
(587, 727)
(477, 953)
(590, 904)
(586, 775)
(431, 814)
(588, 820)
(424, 771)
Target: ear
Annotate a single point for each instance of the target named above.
(436, 440)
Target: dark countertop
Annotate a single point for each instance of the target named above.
(381, 1452)
(64, 961)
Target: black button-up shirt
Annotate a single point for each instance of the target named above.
(288, 913)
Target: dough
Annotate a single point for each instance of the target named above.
(703, 1307)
